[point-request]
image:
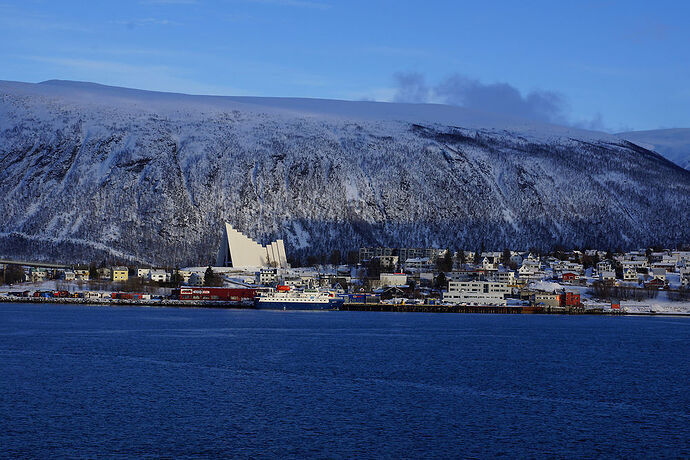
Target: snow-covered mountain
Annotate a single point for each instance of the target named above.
(90, 171)
(673, 144)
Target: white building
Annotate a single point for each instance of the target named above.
(634, 264)
(685, 277)
(476, 293)
(683, 258)
(530, 271)
(418, 263)
(38, 275)
(239, 251)
(196, 279)
(605, 266)
(547, 299)
(516, 258)
(489, 264)
(606, 275)
(507, 277)
(184, 275)
(659, 274)
(393, 279)
(630, 275)
(267, 276)
(464, 275)
(159, 275)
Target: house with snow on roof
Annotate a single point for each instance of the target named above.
(659, 274)
(630, 275)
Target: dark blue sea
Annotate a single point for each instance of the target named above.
(80, 381)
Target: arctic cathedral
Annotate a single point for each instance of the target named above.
(239, 251)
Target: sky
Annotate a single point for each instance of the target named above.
(609, 65)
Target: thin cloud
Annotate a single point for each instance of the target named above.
(169, 2)
(37, 22)
(97, 65)
(396, 51)
(293, 3)
(650, 31)
(166, 78)
(144, 22)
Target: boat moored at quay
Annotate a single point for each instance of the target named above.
(310, 299)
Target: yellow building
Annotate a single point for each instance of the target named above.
(120, 273)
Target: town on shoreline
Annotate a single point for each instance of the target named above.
(389, 279)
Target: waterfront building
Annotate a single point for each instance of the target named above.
(547, 299)
(476, 293)
(570, 299)
(239, 251)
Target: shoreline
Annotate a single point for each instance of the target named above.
(352, 307)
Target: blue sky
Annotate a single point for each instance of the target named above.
(605, 64)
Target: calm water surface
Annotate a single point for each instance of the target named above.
(148, 382)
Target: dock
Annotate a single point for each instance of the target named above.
(424, 308)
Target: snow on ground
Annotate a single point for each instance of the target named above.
(547, 286)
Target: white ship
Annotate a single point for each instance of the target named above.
(309, 299)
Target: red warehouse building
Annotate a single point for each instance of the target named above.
(215, 293)
(570, 299)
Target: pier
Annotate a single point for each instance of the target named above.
(423, 308)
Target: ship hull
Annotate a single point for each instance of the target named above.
(332, 304)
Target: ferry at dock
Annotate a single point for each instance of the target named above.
(310, 299)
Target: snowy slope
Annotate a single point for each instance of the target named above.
(673, 144)
(91, 172)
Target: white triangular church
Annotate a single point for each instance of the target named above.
(239, 251)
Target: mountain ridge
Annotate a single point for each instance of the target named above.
(92, 175)
(673, 144)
